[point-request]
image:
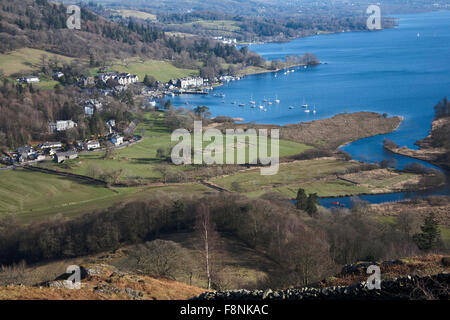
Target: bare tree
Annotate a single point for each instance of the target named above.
(208, 238)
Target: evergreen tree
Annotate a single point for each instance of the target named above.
(430, 237)
(311, 204)
(301, 199)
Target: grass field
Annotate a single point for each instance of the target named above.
(25, 60)
(289, 178)
(124, 13)
(315, 176)
(35, 196)
(138, 161)
(161, 70)
(226, 27)
(445, 235)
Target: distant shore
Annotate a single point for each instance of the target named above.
(257, 70)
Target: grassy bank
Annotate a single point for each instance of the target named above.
(26, 60)
(161, 70)
(315, 176)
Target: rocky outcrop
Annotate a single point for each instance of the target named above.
(407, 288)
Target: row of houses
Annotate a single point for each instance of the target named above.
(122, 78)
(226, 40)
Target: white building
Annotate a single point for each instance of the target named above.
(88, 110)
(61, 125)
(117, 140)
(51, 145)
(31, 79)
(190, 83)
(63, 156)
(92, 145)
(123, 78)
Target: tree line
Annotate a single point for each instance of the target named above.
(303, 250)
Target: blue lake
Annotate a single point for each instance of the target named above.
(393, 71)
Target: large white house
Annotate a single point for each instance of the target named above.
(61, 125)
(190, 83)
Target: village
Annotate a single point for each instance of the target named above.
(102, 86)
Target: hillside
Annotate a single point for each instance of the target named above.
(415, 278)
(104, 282)
(42, 25)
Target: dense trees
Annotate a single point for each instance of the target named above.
(25, 112)
(302, 250)
(43, 26)
(306, 203)
(430, 237)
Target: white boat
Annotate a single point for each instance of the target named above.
(261, 107)
(307, 110)
(314, 110)
(265, 110)
(304, 105)
(269, 103)
(241, 104)
(277, 100)
(291, 107)
(252, 101)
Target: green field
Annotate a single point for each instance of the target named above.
(32, 194)
(226, 27)
(445, 234)
(124, 13)
(292, 176)
(138, 161)
(35, 196)
(161, 70)
(25, 60)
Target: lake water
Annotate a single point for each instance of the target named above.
(393, 71)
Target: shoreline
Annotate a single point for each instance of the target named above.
(263, 71)
(425, 152)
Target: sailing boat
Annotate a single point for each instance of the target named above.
(277, 100)
(418, 35)
(304, 105)
(252, 101)
(314, 110)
